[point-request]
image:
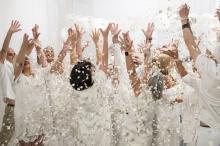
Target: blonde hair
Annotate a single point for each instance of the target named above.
(163, 62)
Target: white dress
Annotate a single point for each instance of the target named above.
(30, 115)
(92, 115)
(78, 118)
(149, 116)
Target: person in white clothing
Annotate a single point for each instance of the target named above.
(6, 85)
(208, 85)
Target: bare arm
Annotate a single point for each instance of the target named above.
(148, 33)
(79, 49)
(15, 27)
(41, 58)
(72, 42)
(173, 53)
(105, 33)
(115, 40)
(135, 81)
(188, 36)
(57, 67)
(26, 44)
(180, 68)
(146, 50)
(95, 37)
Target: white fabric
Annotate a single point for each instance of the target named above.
(6, 85)
(78, 117)
(191, 109)
(7, 80)
(209, 90)
(30, 114)
(208, 137)
(92, 113)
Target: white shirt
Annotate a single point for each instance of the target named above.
(6, 80)
(208, 88)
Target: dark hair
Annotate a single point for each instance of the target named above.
(81, 75)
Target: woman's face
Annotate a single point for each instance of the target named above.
(27, 64)
(49, 53)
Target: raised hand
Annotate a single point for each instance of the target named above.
(184, 11)
(115, 33)
(149, 31)
(35, 32)
(30, 46)
(95, 36)
(72, 36)
(105, 32)
(27, 44)
(145, 48)
(79, 31)
(15, 26)
(25, 41)
(127, 42)
(172, 50)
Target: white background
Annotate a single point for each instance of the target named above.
(51, 14)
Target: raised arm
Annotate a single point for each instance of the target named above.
(148, 33)
(188, 36)
(173, 53)
(117, 70)
(41, 58)
(79, 49)
(57, 67)
(27, 44)
(135, 81)
(105, 33)
(72, 41)
(95, 38)
(15, 27)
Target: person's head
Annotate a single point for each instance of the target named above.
(10, 55)
(163, 62)
(27, 66)
(49, 53)
(81, 75)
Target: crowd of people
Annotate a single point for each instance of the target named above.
(127, 97)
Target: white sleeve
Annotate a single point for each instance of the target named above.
(207, 66)
(117, 54)
(7, 85)
(191, 80)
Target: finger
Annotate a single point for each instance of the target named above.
(118, 32)
(17, 23)
(12, 22)
(101, 30)
(143, 31)
(19, 30)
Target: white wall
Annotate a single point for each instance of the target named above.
(136, 8)
(49, 14)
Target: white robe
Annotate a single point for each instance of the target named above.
(79, 118)
(6, 85)
(30, 109)
(209, 90)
